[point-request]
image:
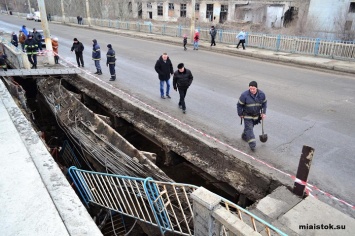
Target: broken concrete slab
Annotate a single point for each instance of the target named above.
(313, 217)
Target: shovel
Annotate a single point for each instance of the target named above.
(262, 137)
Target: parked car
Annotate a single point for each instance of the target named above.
(37, 16)
(29, 16)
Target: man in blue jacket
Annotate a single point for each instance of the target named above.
(241, 37)
(96, 56)
(252, 108)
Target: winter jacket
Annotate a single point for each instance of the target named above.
(250, 105)
(14, 40)
(96, 53)
(241, 35)
(196, 37)
(31, 46)
(213, 32)
(77, 47)
(111, 56)
(37, 36)
(22, 38)
(164, 69)
(55, 47)
(182, 79)
(24, 30)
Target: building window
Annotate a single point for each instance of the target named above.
(348, 25)
(149, 5)
(182, 10)
(224, 8)
(160, 9)
(209, 12)
(352, 7)
(197, 7)
(171, 6)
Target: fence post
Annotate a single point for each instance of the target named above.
(278, 42)
(303, 170)
(163, 30)
(316, 47)
(246, 38)
(220, 35)
(150, 28)
(332, 50)
(127, 25)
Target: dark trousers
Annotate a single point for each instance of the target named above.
(112, 70)
(242, 41)
(213, 43)
(32, 59)
(248, 132)
(56, 59)
(79, 57)
(182, 92)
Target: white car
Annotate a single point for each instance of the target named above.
(29, 16)
(37, 16)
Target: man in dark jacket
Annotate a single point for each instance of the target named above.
(213, 33)
(182, 80)
(31, 48)
(14, 40)
(38, 37)
(164, 68)
(252, 108)
(96, 56)
(78, 48)
(111, 61)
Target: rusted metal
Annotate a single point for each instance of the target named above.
(304, 167)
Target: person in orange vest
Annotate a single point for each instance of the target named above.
(55, 49)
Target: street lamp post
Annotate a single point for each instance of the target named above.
(192, 26)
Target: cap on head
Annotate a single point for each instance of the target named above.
(75, 39)
(253, 84)
(34, 28)
(180, 66)
(109, 45)
(55, 39)
(24, 26)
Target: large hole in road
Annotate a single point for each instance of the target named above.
(173, 164)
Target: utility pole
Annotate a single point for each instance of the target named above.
(88, 12)
(29, 5)
(7, 9)
(192, 26)
(46, 33)
(63, 13)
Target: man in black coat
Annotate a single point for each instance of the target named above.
(182, 80)
(111, 61)
(78, 47)
(164, 68)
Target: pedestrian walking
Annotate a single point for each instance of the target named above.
(38, 37)
(55, 46)
(78, 18)
(96, 56)
(196, 39)
(31, 48)
(78, 48)
(164, 68)
(213, 33)
(241, 37)
(22, 39)
(49, 17)
(111, 61)
(185, 42)
(182, 80)
(14, 40)
(251, 107)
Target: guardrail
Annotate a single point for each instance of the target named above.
(337, 49)
(165, 205)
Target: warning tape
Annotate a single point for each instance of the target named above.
(308, 187)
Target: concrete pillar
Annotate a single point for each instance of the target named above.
(204, 202)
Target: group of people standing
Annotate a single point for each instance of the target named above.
(78, 48)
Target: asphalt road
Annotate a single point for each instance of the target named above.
(305, 107)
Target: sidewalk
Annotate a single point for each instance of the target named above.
(310, 61)
(36, 198)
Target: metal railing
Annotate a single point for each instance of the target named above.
(292, 44)
(165, 205)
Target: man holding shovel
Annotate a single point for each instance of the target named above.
(252, 108)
